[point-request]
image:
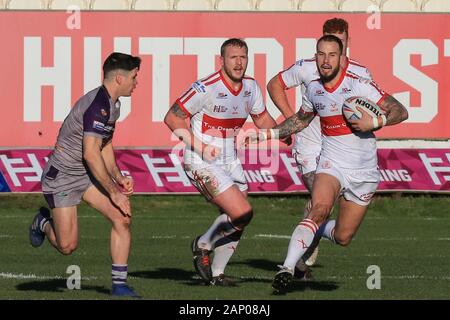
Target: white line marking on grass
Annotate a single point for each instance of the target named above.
(10, 275)
(5, 236)
(399, 277)
(276, 236)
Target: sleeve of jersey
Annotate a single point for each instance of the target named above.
(258, 107)
(373, 92)
(368, 74)
(307, 107)
(292, 77)
(94, 122)
(191, 101)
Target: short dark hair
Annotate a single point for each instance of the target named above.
(117, 60)
(233, 42)
(335, 25)
(330, 38)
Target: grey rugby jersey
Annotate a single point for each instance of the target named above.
(93, 114)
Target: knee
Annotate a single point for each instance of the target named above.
(320, 212)
(122, 223)
(244, 219)
(67, 248)
(343, 239)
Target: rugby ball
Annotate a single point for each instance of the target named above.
(352, 113)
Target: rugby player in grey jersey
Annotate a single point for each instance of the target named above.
(83, 167)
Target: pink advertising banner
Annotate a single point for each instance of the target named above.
(51, 58)
(159, 171)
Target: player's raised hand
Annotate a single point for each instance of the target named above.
(127, 185)
(364, 124)
(122, 202)
(210, 152)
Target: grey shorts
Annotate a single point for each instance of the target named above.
(63, 190)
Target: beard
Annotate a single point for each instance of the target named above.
(229, 73)
(329, 77)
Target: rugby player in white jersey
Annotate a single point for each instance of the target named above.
(347, 170)
(218, 106)
(308, 142)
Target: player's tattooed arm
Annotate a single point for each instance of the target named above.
(176, 110)
(294, 124)
(395, 111)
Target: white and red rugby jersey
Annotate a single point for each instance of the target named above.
(303, 72)
(218, 112)
(349, 150)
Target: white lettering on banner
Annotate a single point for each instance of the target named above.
(292, 168)
(161, 49)
(273, 51)
(92, 63)
(13, 171)
(35, 76)
(123, 44)
(427, 87)
(206, 50)
(156, 171)
(432, 170)
(395, 175)
(447, 47)
(60, 74)
(259, 176)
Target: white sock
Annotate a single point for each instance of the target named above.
(223, 251)
(301, 239)
(220, 228)
(328, 230)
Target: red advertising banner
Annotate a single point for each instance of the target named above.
(161, 171)
(50, 59)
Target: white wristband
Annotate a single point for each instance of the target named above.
(383, 120)
(375, 122)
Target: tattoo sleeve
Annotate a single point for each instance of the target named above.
(294, 124)
(395, 111)
(176, 110)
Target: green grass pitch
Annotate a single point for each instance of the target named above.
(407, 237)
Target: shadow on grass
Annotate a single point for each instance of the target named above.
(189, 278)
(56, 285)
(264, 264)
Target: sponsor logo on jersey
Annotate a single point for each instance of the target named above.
(97, 125)
(221, 95)
(247, 93)
(346, 90)
(319, 92)
(333, 107)
(199, 87)
(319, 106)
(299, 62)
(220, 108)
